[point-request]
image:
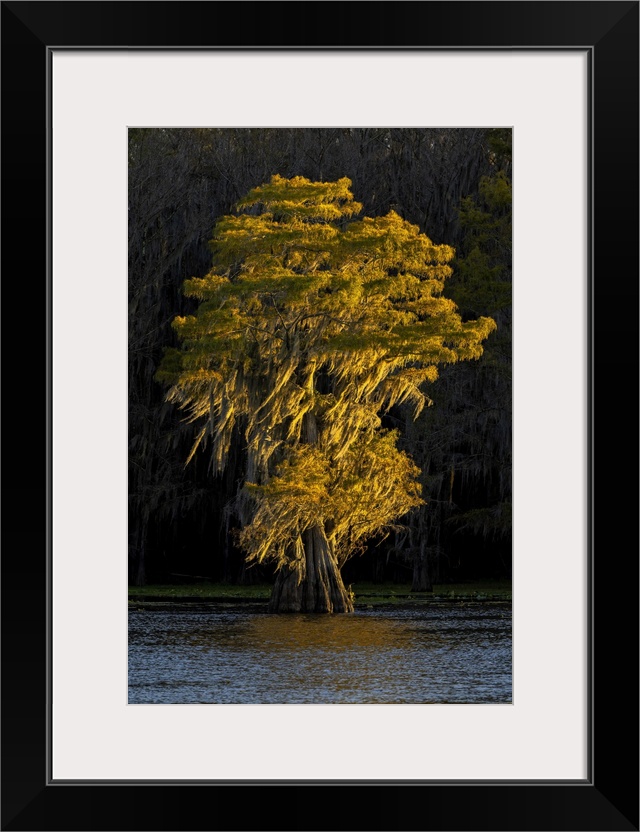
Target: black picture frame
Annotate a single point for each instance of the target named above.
(608, 799)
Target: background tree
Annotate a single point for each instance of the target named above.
(310, 325)
(463, 445)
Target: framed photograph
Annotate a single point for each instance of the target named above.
(561, 79)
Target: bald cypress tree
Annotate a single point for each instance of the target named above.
(310, 325)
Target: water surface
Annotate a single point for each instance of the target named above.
(421, 654)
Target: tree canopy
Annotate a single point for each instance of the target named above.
(310, 325)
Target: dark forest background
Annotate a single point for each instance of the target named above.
(455, 184)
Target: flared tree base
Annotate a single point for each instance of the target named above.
(319, 588)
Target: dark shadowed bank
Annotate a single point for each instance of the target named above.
(363, 595)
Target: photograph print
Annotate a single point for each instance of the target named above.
(320, 415)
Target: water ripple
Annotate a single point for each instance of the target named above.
(402, 655)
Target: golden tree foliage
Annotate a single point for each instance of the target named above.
(373, 484)
(310, 325)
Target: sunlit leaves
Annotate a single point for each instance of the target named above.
(300, 198)
(371, 486)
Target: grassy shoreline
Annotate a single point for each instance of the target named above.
(366, 594)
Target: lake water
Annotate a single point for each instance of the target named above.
(420, 654)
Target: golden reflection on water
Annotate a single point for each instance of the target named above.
(295, 633)
(322, 632)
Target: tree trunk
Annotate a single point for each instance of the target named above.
(421, 578)
(136, 572)
(318, 587)
(141, 574)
